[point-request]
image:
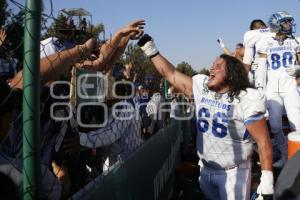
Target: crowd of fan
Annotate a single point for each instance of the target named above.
(73, 154)
(9, 64)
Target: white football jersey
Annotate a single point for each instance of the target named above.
(280, 58)
(251, 43)
(222, 138)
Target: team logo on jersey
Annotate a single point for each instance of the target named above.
(281, 48)
(215, 103)
(205, 90)
(218, 96)
(264, 30)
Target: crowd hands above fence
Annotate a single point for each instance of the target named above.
(73, 153)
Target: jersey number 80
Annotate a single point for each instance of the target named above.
(287, 59)
(219, 122)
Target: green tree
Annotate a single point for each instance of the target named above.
(15, 34)
(13, 23)
(44, 17)
(204, 71)
(142, 64)
(57, 28)
(97, 30)
(60, 29)
(185, 68)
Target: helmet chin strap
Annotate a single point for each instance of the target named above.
(288, 33)
(293, 37)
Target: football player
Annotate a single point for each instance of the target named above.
(258, 31)
(280, 55)
(229, 114)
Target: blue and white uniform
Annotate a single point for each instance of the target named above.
(224, 145)
(53, 45)
(252, 43)
(281, 89)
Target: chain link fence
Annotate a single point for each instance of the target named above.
(92, 117)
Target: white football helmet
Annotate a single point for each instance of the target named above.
(276, 20)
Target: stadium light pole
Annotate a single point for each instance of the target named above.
(31, 100)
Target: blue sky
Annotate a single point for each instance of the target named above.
(184, 30)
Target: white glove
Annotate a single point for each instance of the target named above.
(147, 44)
(266, 186)
(220, 41)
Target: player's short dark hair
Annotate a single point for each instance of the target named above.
(257, 21)
(239, 45)
(236, 77)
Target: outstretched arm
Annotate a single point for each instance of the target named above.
(259, 132)
(224, 48)
(120, 50)
(113, 48)
(53, 66)
(179, 80)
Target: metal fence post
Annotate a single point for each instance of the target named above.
(31, 100)
(166, 87)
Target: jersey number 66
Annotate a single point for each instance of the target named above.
(219, 122)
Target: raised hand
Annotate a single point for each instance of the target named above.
(220, 41)
(134, 29)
